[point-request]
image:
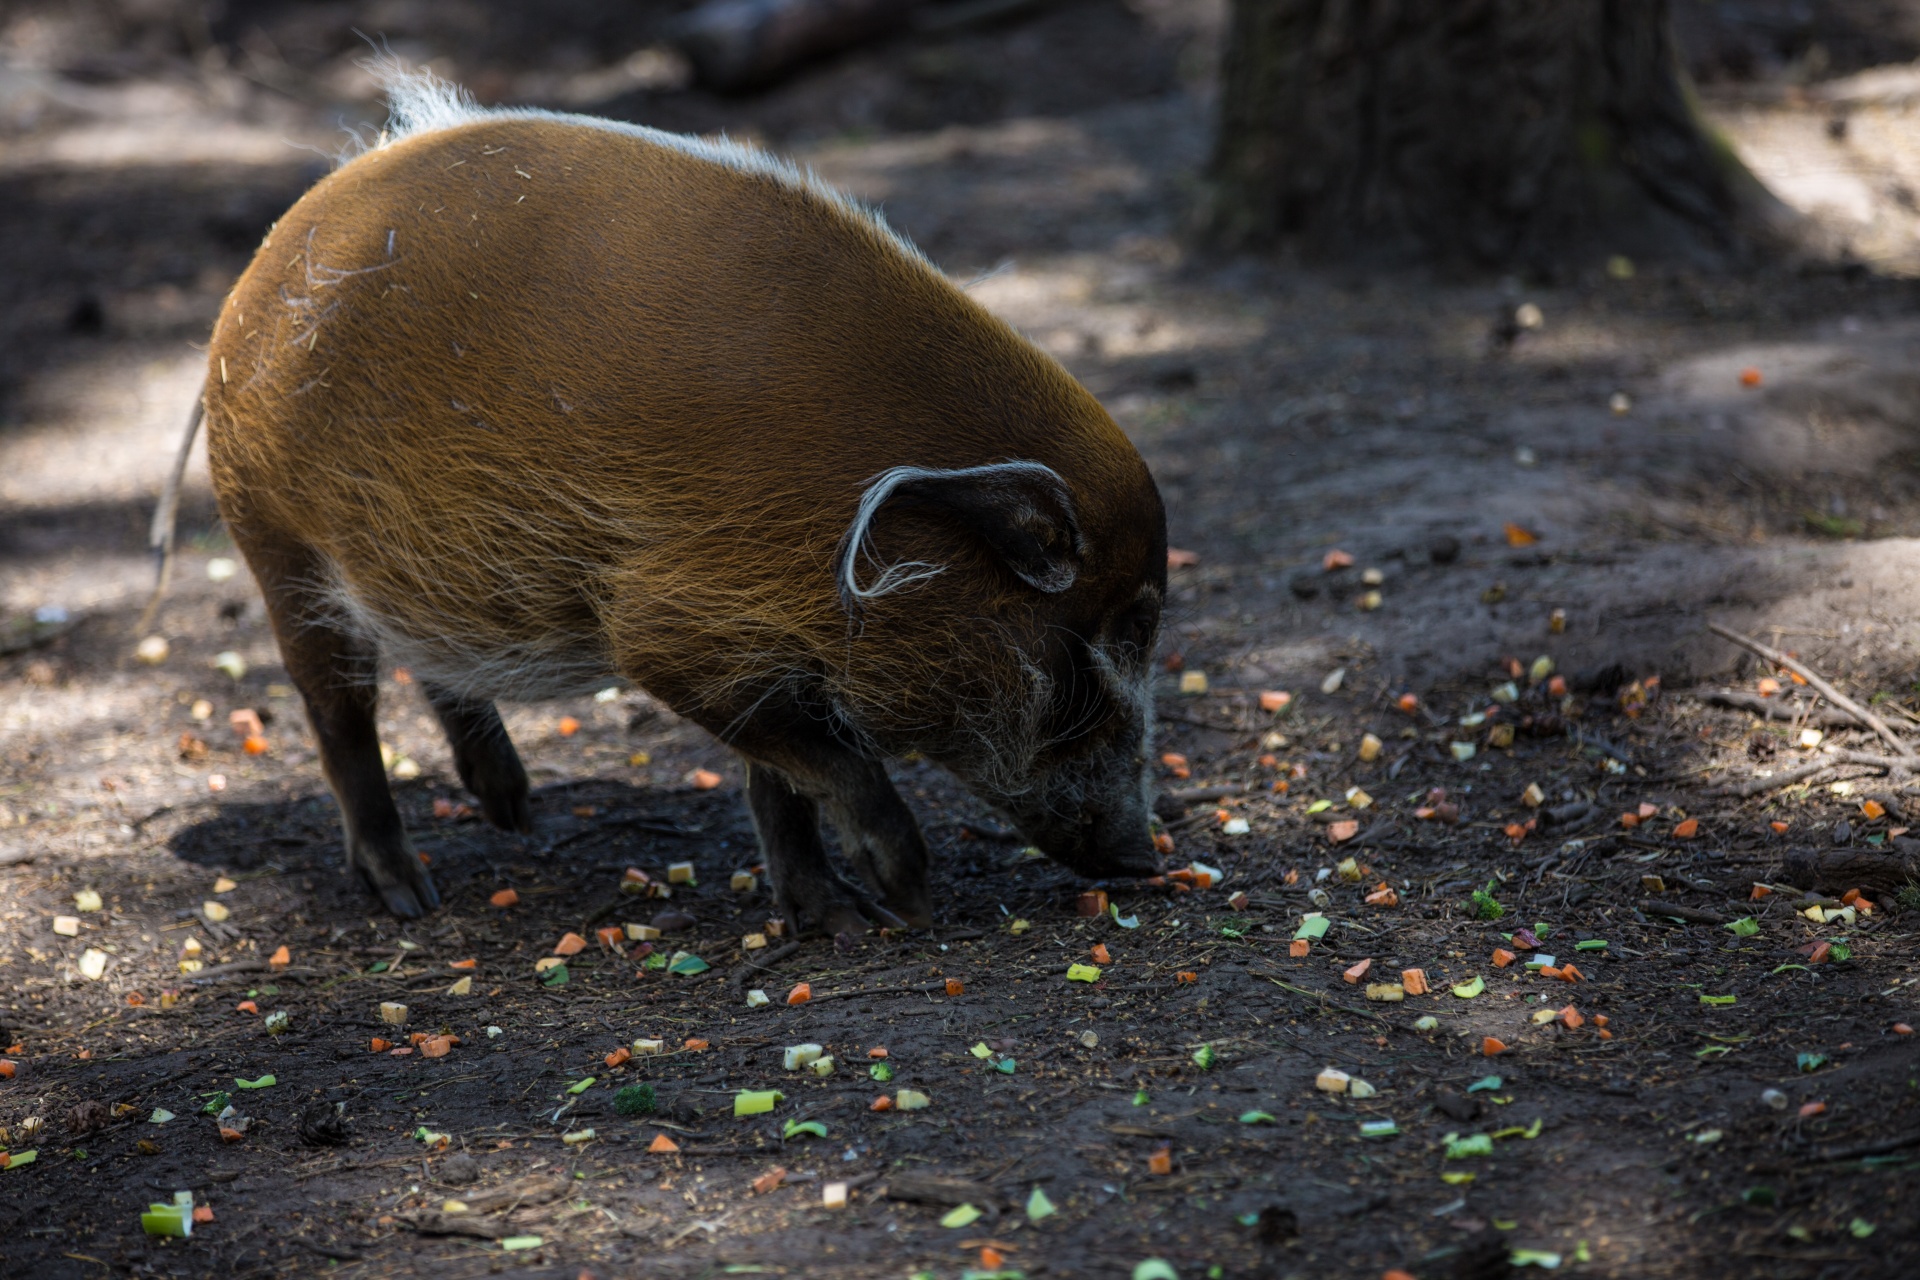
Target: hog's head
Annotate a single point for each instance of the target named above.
(1014, 629)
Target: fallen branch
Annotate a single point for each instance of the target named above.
(765, 965)
(1862, 1149)
(1673, 910)
(1820, 685)
(1780, 708)
(1837, 870)
(1754, 786)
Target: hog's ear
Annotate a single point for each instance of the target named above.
(1021, 510)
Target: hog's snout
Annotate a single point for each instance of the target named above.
(1098, 841)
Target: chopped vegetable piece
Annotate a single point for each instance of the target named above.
(1378, 1128)
(687, 964)
(1414, 981)
(1258, 1117)
(1154, 1269)
(1471, 988)
(1503, 957)
(1358, 971)
(795, 1128)
(264, 1082)
(960, 1216)
(1312, 927)
(1161, 1161)
(1298, 948)
(1039, 1206)
(912, 1100)
(755, 1102)
(1390, 992)
(799, 1056)
(582, 1085)
(518, 1244)
(662, 1145)
(1491, 1045)
(801, 993)
(1204, 1057)
(1478, 1144)
(1100, 953)
(570, 944)
(955, 987)
(1332, 1080)
(1082, 973)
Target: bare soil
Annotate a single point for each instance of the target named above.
(1288, 410)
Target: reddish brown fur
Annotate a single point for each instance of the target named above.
(607, 408)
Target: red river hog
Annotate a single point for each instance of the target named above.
(531, 403)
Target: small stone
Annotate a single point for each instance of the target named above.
(153, 650)
(673, 922)
(1090, 1039)
(459, 1169)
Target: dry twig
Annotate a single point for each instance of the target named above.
(1819, 684)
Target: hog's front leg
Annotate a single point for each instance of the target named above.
(805, 887)
(880, 836)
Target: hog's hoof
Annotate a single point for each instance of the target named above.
(401, 881)
(509, 813)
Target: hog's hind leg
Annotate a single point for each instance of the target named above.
(805, 886)
(334, 671)
(483, 753)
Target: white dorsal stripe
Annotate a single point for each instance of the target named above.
(420, 102)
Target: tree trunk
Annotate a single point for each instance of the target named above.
(1529, 132)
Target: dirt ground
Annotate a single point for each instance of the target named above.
(1575, 469)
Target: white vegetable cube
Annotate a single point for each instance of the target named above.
(757, 999)
(822, 1066)
(834, 1195)
(745, 882)
(680, 873)
(802, 1055)
(643, 1047)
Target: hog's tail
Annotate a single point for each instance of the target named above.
(166, 517)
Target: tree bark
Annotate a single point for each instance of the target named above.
(1493, 131)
